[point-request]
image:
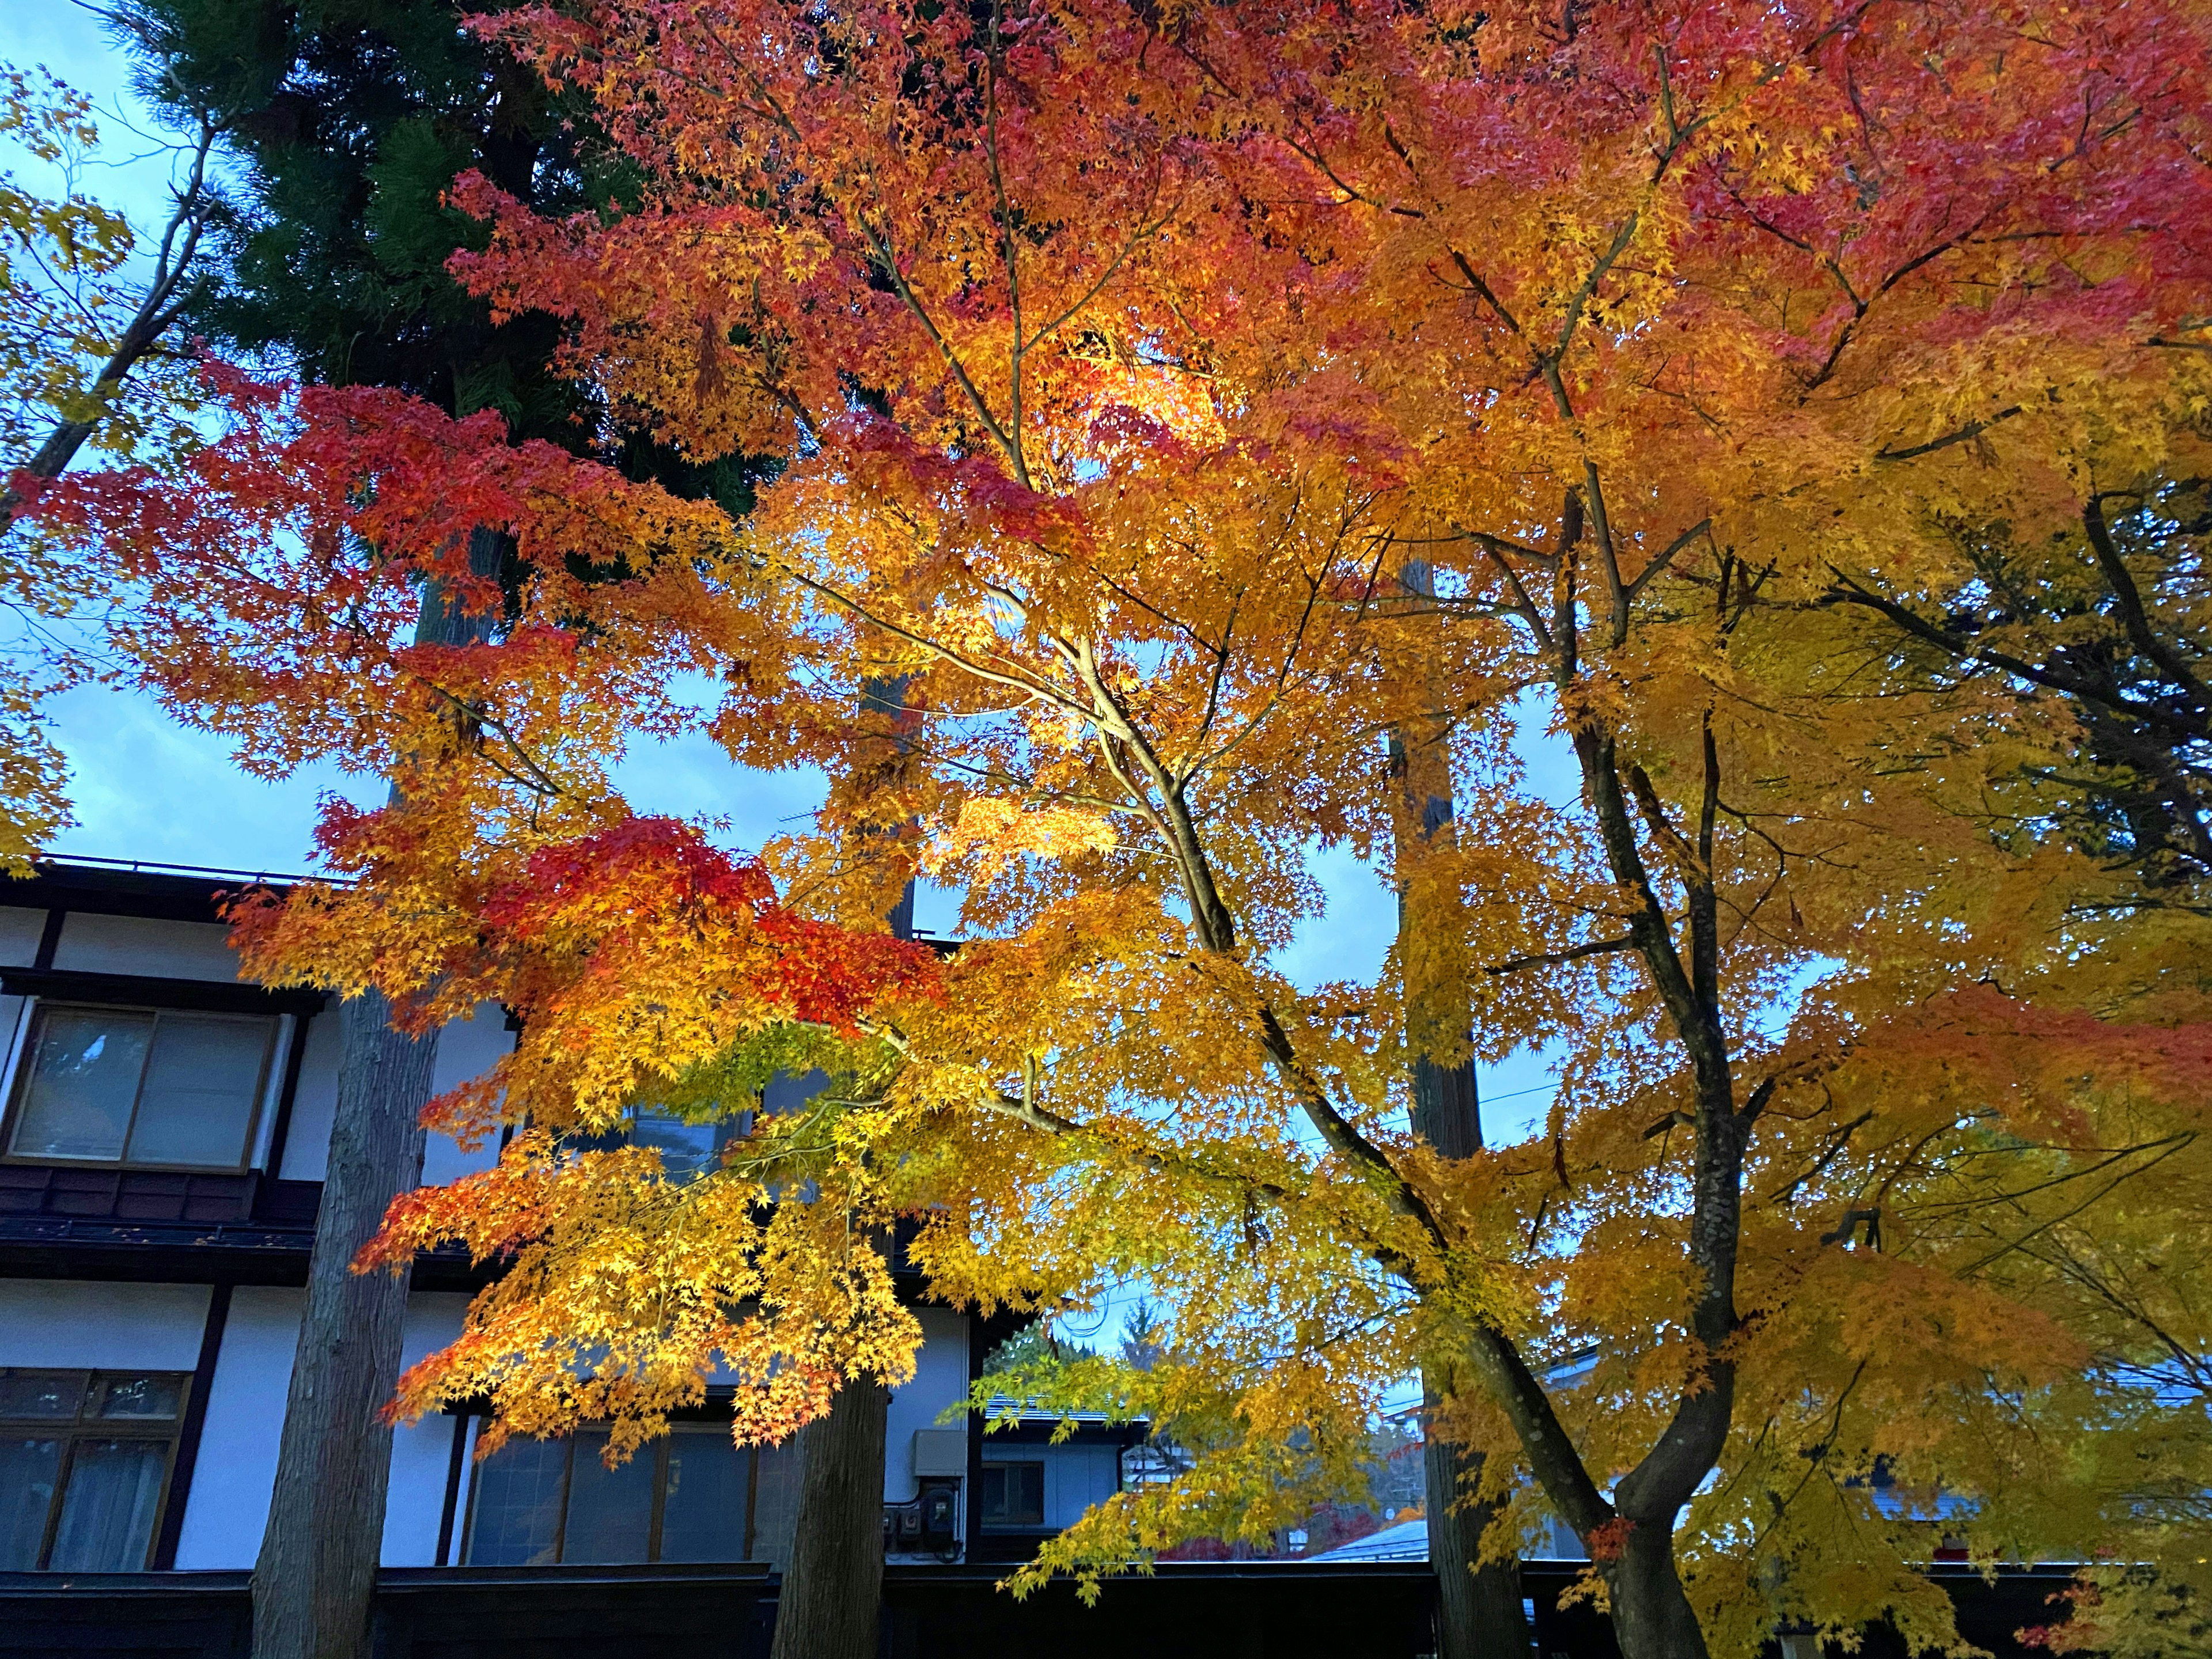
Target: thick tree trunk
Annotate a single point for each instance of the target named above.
(833, 1590)
(316, 1575)
(830, 1605)
(1651, 1616)
(317, 1572)
(1479, 1613)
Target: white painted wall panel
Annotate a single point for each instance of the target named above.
(1076, 1475)
(142, 944)
(229, 1503)
(11, 1034)
(1075, 1478)
(308, 1140)
(420, 1452)
(88, 1324)
(19, 935)
(940, 1378)
(465, 1048)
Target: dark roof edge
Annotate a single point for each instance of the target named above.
(116, 887)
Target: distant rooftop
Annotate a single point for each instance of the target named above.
(1406, 1541)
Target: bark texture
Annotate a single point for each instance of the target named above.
(1651, 1616)
(316, 1575)
(833, 1590)
(1479, 1613)
(315, 1579)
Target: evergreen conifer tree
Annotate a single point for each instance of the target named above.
(350, 121)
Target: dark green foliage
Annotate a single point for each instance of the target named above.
(351, 120)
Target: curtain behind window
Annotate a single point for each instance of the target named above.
(108, 1512)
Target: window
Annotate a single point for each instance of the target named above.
(690, 1495)
(687, 1149)
(84, 1464)
(1013, 1495)
(140, 1086)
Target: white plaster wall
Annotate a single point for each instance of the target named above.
(1076, 1476)
(90, 1325)
(940, 1378)
(19, 935)
(314, 1102)
(228, 1505)
(140, 944)
(465, 1048)
(422, 1452)
(11, 1031)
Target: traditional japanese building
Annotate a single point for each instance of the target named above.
(161, 1157)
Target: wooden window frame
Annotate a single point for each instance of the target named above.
(1003, 1527)
(661, 1448)
(23, 1059)
(169, 1431)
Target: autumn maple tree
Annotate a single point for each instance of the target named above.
(1174, 404)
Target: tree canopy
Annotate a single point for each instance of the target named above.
(1794, 413)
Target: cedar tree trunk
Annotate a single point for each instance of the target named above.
(833, 1588)
(315, 1579)
(1479, 1613)
(316, 1575)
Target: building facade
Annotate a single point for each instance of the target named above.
(162, 1156)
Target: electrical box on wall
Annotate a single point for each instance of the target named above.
(928, 1525)
(940, 1454)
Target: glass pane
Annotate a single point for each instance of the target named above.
(515, 1514)
(83, 1077)
(141, 1396)
(702, 1518)
(610, 1510)
(27, 1496)
(202, 1083)
(686, 1149)
(41, 1394)
(775, 1504)
(1025, 1490)
(1013, 1494)
(109, 1511)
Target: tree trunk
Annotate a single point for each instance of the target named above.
(830, 1605)
(1651, 1616)
(316, 1575)
(833, 1590)
(1479, 1613)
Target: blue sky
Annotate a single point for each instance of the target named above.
(148, 787)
